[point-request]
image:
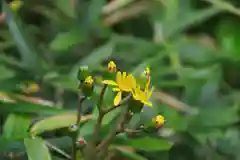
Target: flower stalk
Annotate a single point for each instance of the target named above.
(74, 138)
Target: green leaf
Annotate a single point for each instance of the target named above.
(36, 149)
(190, 18)
(108, 117)
(16, 126)
(62, 81)
(226, 6)
(5, 72)
(25, 107)
(98, 55)
(8, 145)
(10, 61)
(129, 154)
(203, 54)
(29, 57)
(175, 120)
(64, 41)
(222, 116)
(149, 144)
(95, 11)
(229, 37)
(87, 129)
(94, 58)
(66, 7)
(204, 136)
(55, 122)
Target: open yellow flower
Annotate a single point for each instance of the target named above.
(124, 83)
(142, 96)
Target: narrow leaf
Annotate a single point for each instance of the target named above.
(95, 57)
(16, 126)
(36, 149)
(29, 56)
(64, 41)
(150, 144)
(25, 107)
(56, 122)
(129, 154)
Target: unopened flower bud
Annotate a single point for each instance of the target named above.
(158, 120)
(83, 73)
(112, 66)
(15, 5)
(87, 86)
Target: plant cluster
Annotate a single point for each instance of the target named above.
(130, 97)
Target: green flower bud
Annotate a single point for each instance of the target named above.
(87, 86)
(83, 73)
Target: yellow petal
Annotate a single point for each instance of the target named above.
(109, 82)
(147, 84)
(149, 104)
(149, 93)
(124, 74)
(119, 77)
(131, 80)
(118, 98)
(116, 89)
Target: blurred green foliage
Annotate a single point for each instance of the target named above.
(191, 46)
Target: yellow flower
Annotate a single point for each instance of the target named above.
(112, 67)
(15, 5)
(142, 96)
(89, 81)
(124, 83)
(159, 120)
(32, 88)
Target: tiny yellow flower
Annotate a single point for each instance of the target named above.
(112, 66)
(89, 81)
(124, 83)
(30, 87)
(142, 96)
(15, 5)
(159, 120)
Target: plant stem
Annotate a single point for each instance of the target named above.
(90, 149)
(100, 116)
(120, 126)
(74, 139)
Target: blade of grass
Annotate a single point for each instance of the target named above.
(29, 56)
